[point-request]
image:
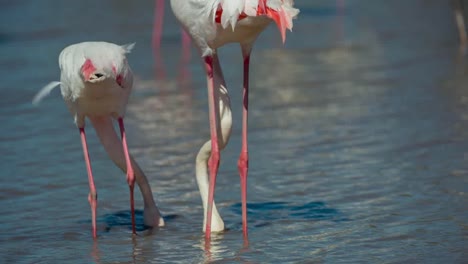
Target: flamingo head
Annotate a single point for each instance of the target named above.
(93, 74)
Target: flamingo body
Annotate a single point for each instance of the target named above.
(212, 24)
(95, 92)
(96, 82)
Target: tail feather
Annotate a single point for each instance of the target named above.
(128, 47)
(44, 92)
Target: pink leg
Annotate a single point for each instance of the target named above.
(157, 35)
(92, 197)
(130, 173)
(185, 46)
(184, 73)
(158, 23)
(213, 162)
(243, 163)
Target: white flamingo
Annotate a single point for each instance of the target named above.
(211, 24)
(96, 82)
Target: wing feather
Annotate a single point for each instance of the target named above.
(281, 11)
(250, 8)
(231, 12)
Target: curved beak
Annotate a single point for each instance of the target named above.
(90, 73)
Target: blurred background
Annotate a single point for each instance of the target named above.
(358, 138)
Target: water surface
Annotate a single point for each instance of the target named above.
(358, 139)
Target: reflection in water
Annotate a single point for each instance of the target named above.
(213, 248)
(269, 212)
(359, 130)
(326, 70)
(136, 250)
(164, 114)
(455, 92)
(123, 219)
(95, 254)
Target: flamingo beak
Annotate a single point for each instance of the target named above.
(90, 73)
(95, 77)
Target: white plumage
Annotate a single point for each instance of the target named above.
(81, 96)
(96, 82)
(233, 9)
(198, 18)
(212, 24)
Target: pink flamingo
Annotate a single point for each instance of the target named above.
(211, 24)
(459, 11)
(157, 36)
(96, 82)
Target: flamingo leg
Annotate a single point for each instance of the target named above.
(92, 197)
(185, 46)
(157, 36)
(213, 162)
(460, 20)
(243, 162)
(130, 172)
(157, 25)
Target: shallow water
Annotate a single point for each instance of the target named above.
(358, 139)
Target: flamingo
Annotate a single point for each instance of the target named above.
(157, 36)
(459, 10)
(212, 24)
(96, 82)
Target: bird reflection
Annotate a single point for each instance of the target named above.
(140, 246)
(95, 253)
(212, 248)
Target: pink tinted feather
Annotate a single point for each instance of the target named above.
(228, 12)
(88, 68)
